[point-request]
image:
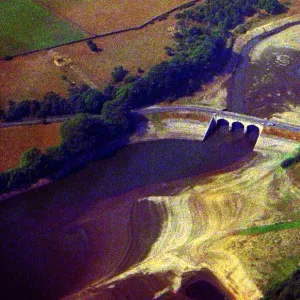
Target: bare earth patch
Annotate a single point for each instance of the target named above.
(288, 38)
(15, 140)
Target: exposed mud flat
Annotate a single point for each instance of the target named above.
(198, 225)
(145, 223)
(272, 77)
(92, 219)
(288, 38)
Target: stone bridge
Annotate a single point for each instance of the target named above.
(233, 126)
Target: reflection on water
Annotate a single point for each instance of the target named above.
(42, 254)
(272, 82)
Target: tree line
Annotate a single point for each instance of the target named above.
(83, 138)
(227, 14)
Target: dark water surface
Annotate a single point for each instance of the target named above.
(42, 254)
(204, 290)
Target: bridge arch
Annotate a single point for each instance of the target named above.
(222, 122)
(252, 133)
(252, 129)
(237, 126)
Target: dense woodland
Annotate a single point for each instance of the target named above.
(199, 53)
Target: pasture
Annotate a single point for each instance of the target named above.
(25, 25)
(32, 76)
(100, 16)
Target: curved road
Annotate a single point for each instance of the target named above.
(220, 113)
(170, 109)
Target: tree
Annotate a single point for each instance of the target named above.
(17, 111)
(93, 47)
(31, 158)
(130, 79)
(53, 105)
(93, 101)
(82, 133)
(118, 74)
(169, 51)
(271, 6)
(115, 113)
(109, 91)
(4, 179)
(34, 107)
(56, 153)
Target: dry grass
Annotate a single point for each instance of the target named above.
(30, 77)
(282, 133)
(143, 48)
(288, 38)
(100, 16)
(15, 140)
(201, 117)
(291, 116)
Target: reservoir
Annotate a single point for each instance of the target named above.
(47, 240)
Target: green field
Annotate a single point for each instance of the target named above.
(268, 228)
(24, 26)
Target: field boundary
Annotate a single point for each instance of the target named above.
(114, 32)
(64, 18)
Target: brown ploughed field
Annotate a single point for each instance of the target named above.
(15, 140)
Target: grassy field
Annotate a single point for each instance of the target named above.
(24, 26)
(15, 140)
(99, 16)
(31, 76)
(268, 228)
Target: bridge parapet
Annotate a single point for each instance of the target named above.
(235, 126)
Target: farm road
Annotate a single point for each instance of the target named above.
(83, 76)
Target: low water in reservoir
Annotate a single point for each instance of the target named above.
(42, 252)
(203, 290)
(272, 82)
